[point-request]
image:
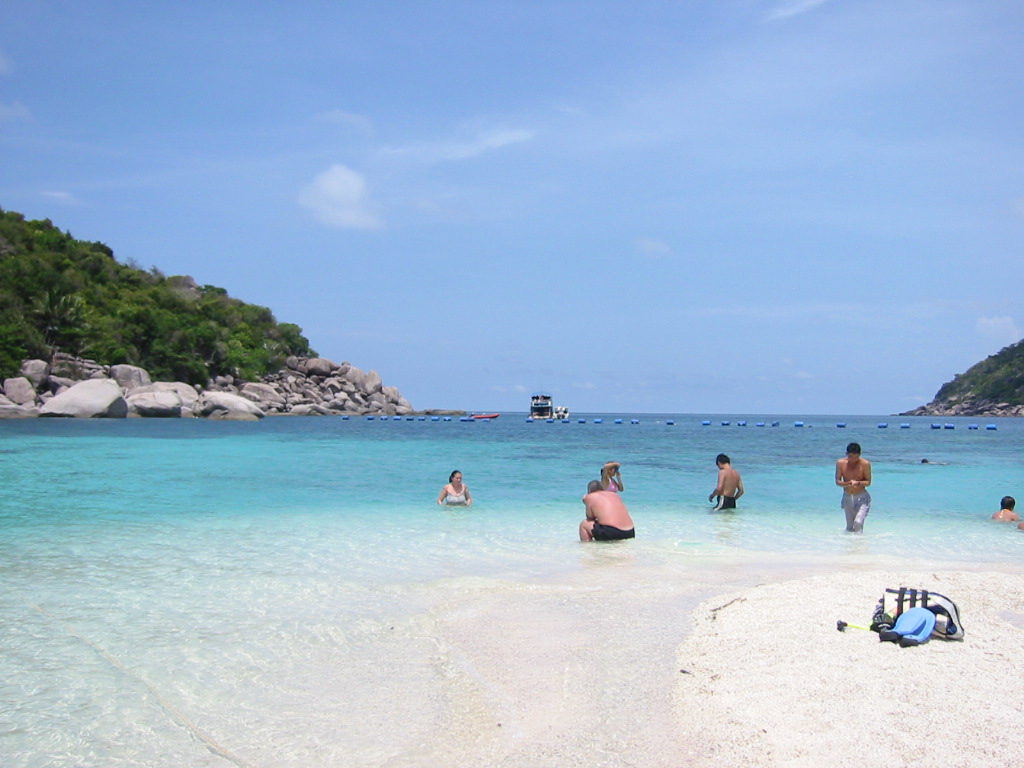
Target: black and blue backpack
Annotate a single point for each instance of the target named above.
(947, 615)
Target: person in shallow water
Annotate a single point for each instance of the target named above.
(607, 518)
(730, 484)
(456, 493)
(853, 475)
(611, 477)
(1006, 513)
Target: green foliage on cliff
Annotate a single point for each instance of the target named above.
(999, 378)
(62, 294)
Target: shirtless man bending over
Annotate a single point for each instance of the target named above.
(607, 517)
(853, 475)
(730, 484)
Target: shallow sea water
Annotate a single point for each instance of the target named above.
(288, 593)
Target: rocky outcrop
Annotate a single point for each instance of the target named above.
(93, 398)
(318, 386)
(967, 406)
(991, 387)
(304, 387)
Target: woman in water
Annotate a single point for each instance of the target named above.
(456, 493)
(611, 478)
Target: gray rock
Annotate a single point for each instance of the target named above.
(35, 371)
(372, 382)
(309, 409)
(319, 366)
(10, 410)
(130, 376)
(20, 390)
(56, 384)
(185, 392)
(224, 405)
(155, 404)
(76, 368)
(261, 393)
(93, 398)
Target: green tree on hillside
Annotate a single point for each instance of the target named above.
(62, 294)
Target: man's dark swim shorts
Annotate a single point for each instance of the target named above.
(728, 502)
(611, 533)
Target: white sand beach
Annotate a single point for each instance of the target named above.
(769, 680)
(590, 673)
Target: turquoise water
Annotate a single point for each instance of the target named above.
(166, 586)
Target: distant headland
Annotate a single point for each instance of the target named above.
(993, 387)
(166, 346)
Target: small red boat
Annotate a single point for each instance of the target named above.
(486, 415)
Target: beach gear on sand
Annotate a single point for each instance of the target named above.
(913, 627)
(947, 625)
(842, 625)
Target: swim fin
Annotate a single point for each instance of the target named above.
(913, 627)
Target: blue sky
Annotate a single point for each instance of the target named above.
(741, 206)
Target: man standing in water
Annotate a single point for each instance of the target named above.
(853, 475)
(607, 517)
(730, 484)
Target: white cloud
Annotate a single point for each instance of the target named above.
(653, 248)
(338, 197)
(516, 389)
(482, 143)
(341, 117)
(1000, 330)
(61, 197)
(14, 111)
(788, 8)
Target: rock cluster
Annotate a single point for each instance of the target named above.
(75, 387)
(966, 406)
(318, 386)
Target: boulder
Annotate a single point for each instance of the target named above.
(93, 398)
(224, 405)
(308, 409)
(319, 366)
(20, 391)
(185, 392)
(57, 384)
(10, 410)
(372, 382)
(76, 368)
(130, 376)
(261, 393)
(165, 404)
(35, 371)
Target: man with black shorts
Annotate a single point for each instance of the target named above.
(730, 484)
(607, 517)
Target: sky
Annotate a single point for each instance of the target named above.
(729, 206)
